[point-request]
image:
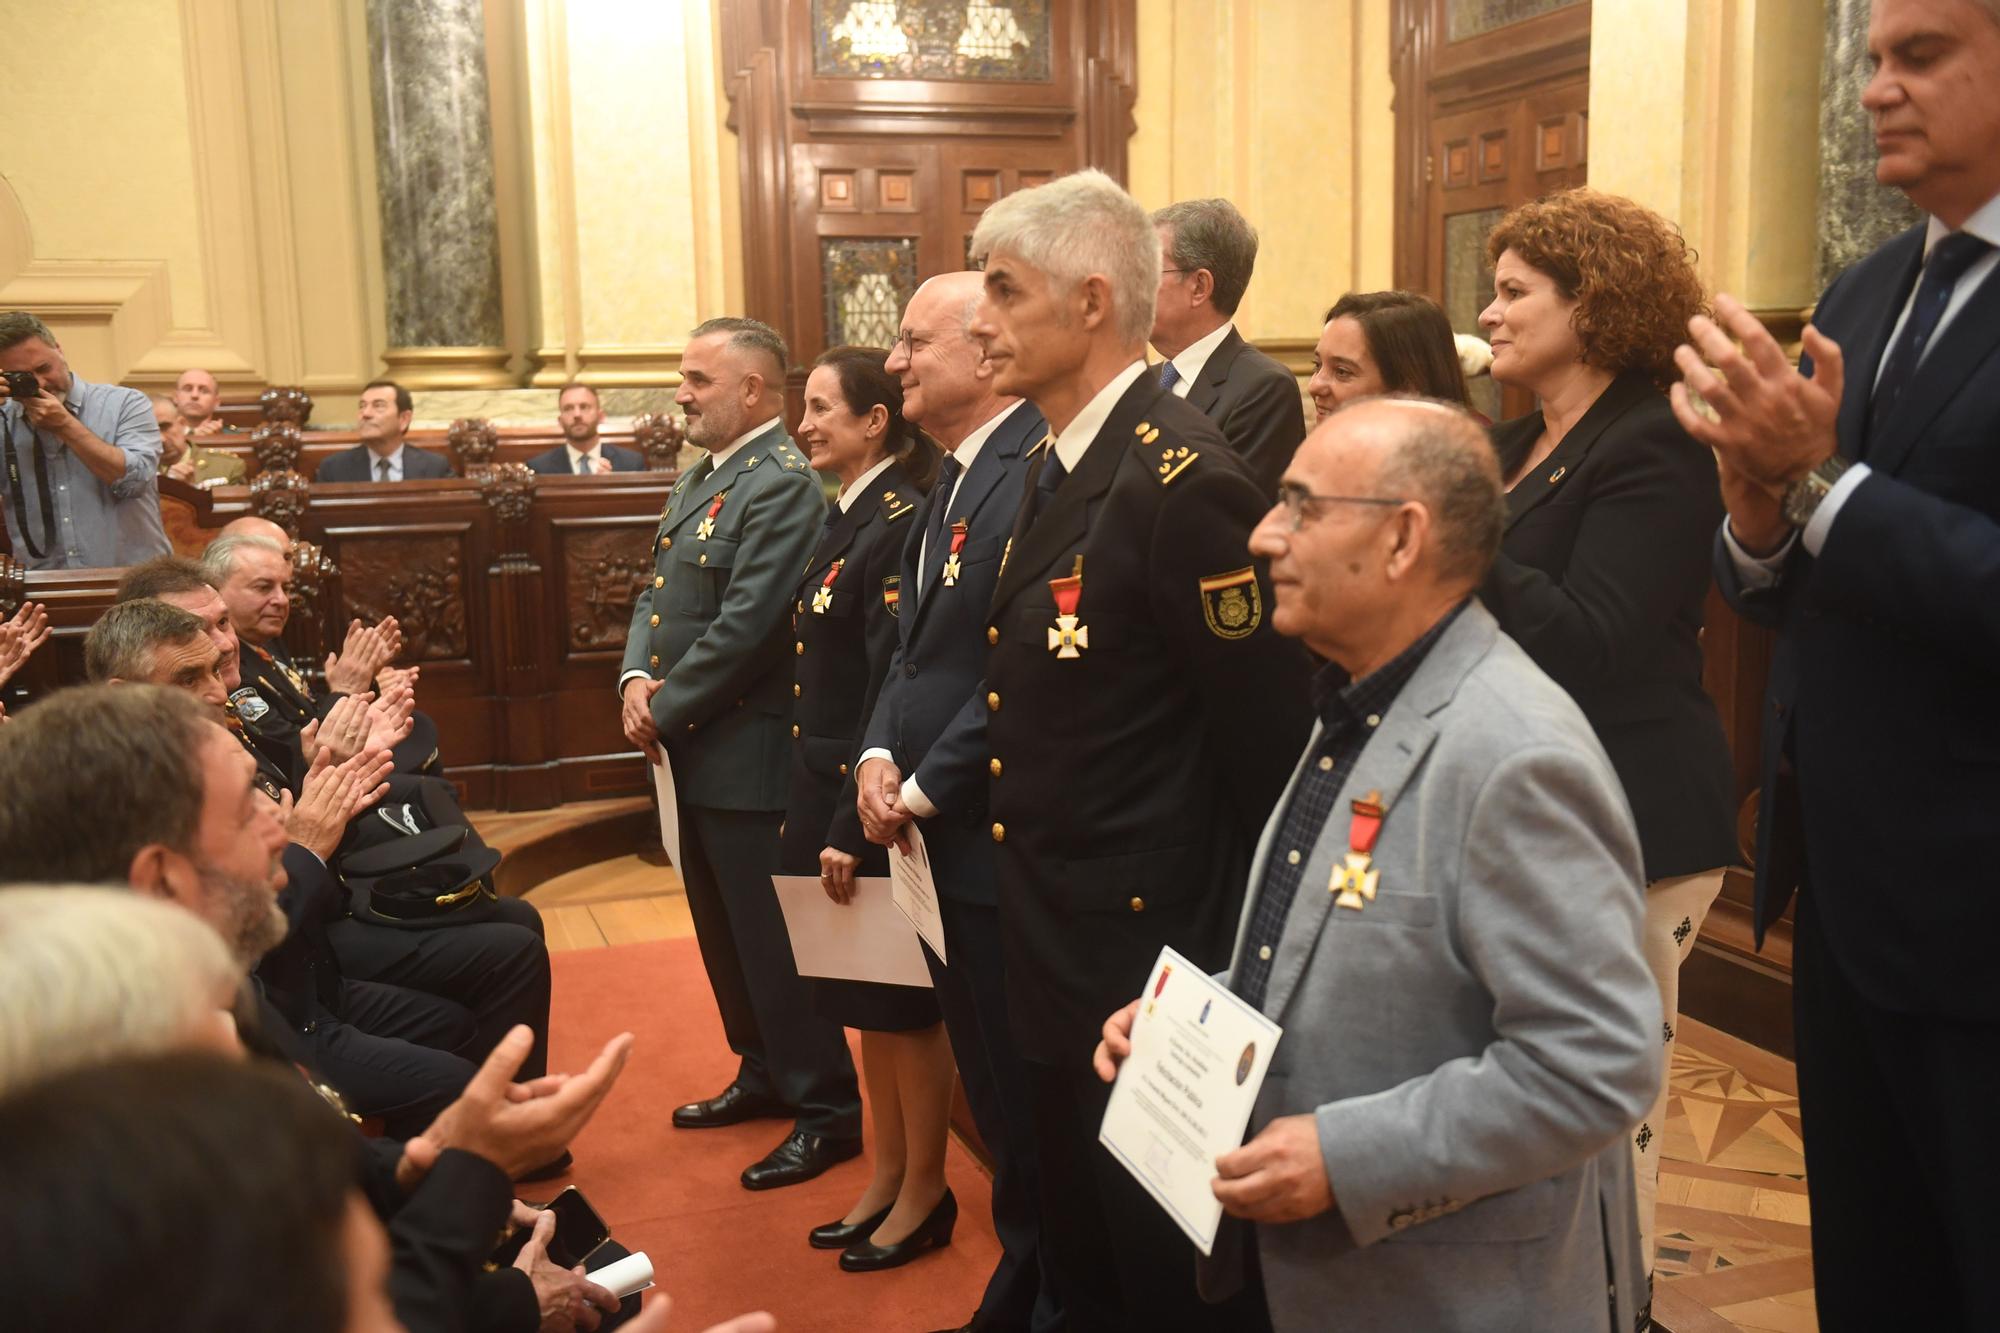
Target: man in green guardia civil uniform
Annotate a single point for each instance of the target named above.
(707, 684)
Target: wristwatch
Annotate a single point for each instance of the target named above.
(1803, 497)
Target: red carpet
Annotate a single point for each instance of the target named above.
(717, 1248)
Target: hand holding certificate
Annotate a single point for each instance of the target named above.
(914, 890)
(1184, 1093)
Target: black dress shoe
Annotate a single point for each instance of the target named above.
(799, 1158)
(933, 1233)
(732, 1106)
(840, 1235)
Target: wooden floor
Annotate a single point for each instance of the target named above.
(1734, 1246)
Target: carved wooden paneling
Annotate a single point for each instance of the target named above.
(604, 570)
(420, 580)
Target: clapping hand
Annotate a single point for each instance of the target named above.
(331, 795)
(390, 718)
(365, 651)
(20, 635)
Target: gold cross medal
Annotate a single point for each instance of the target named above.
(951, 567)
(706, 528)
(1068, 637)
(823, 594)
(1354, 877)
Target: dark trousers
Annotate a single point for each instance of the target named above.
(972, 991)
(1899, 1165)
(1116, 1259)
(390, 1053)
(785, 1050)
(498, 969)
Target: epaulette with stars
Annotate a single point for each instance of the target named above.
(1167, 459)
(894, 506)
(789, 457)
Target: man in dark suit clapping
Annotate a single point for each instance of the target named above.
(581, 453)
(1864, 526)
(1209, 251)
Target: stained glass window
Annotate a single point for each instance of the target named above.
(866, 282)
(1003, 40)
(1473, 18)
(1468, 288)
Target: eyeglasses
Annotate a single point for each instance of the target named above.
(1295, 498)
(910, 343)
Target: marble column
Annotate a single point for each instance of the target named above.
(434, 170)
(1855, 213)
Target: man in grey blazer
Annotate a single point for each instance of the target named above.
(1208, 251)
(1444, 918)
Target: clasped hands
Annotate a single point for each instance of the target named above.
(1278, 1176)
(878, 797)
(1768, 424)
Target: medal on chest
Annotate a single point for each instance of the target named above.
(706, 528)
(823, 594)
(951, 566)
(1068, 637)
(1354, 877)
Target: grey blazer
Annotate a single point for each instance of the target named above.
(1478, 1042)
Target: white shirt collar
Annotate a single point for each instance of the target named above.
(735, 446)
(1188, 365)
(855, 491)
(395, 461)
(577, 455)
(1076, 437)
(968, 448)
(1984, 223)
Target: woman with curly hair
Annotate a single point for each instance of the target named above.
(1611, 512)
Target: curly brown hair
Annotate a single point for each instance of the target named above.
(1628, 269)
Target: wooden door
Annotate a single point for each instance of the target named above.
(1492, 110)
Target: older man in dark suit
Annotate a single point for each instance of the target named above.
(382, 419)
(1864, 525)
(581, 453)
(1209, 251)
(926, 757)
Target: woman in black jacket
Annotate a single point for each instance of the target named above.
(846, 617)
(1611, 514)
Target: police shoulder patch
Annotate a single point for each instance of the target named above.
(1232, 604)
(892, 594)
(249, 704)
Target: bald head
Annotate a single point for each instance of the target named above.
(251, 526)
(1399, 511)
(947, 381)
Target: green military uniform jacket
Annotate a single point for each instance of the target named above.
(714, 624)
(215, 467)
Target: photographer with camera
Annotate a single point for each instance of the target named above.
(78, 484)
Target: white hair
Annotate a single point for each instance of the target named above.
(1076, 226)
(219, 559)
(88, 975)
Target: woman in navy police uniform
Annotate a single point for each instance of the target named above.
(845, 613)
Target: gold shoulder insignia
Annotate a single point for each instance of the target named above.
(895, 514)
(753, 462)
(1232, 603)
(1174, 459)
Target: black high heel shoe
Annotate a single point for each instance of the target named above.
(934, 1232)
(840, 1235)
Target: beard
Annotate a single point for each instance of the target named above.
(245, 913)
(713, 429)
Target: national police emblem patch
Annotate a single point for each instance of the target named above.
(1232, 603)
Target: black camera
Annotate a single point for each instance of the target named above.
(22, 383)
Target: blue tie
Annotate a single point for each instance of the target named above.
(1946, 264)
(1052, 476)
(1169, 377)
(947, 478)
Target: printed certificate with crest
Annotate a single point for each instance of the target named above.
(1183, 1096)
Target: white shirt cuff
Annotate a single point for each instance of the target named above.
(1814, 534)
(915, 801)
(1756, 571)
(629, 676)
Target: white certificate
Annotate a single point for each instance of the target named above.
(862, 939)
(1183, 1096)
(914, 891)
(670, 810)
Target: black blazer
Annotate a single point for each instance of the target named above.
(1882, 684)
(357, 464)
(931, 713)
(1130, 782)
(843, 653)
(1602, 578)
(1255, 401)
(555, 462)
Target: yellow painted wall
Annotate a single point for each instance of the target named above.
(1709, 113)
(1282, 106)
